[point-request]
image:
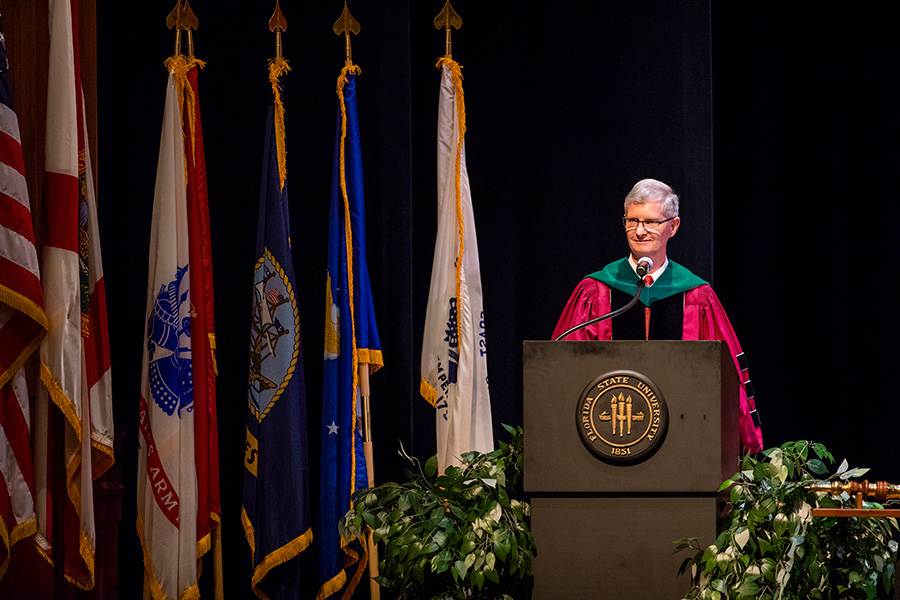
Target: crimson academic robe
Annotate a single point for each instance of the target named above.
(677, 290)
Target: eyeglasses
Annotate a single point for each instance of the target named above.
(649, 224)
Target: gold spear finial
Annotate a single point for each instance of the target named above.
(277, 24)
(445, 20)
(346, 24)
(174, 21)
(182, 18)
(188, 23)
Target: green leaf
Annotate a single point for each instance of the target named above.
(418, 574)
(501, 549)
(431, 466)
(817, 466)
(460, 568)
(478, 576)
(440, 539)
(748, 588)
(441, 565)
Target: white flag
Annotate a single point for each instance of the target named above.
(167, 479)
(454, 352)
(75, 361)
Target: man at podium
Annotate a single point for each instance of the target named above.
(677, 305)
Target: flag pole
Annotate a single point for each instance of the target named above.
(374, 588)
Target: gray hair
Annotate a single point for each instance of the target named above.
(652, 191)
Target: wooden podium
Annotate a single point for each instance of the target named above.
(604, 529)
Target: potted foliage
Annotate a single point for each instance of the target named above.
(458, 534)
(772, 547)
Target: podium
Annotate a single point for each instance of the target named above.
(607, 502)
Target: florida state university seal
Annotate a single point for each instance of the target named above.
(622, 417)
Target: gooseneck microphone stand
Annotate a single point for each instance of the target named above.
(615, 313)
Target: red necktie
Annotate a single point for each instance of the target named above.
(648, 281)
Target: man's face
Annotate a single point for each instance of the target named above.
(644, 242)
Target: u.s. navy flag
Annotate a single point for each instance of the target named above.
(275, 512)
(454, 353)
(75, 361)
(351, 338)
(177, 483)
(22, 327)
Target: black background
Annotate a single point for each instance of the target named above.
(777, 123)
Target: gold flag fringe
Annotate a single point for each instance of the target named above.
(274, 558)
(105, 460)
(156, 591)
(24, 305)
(9, 538)
(277, 68)
(456, 73)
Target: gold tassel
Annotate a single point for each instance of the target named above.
(456, 73)
(277, 68)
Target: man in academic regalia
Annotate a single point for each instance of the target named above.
(677, 305)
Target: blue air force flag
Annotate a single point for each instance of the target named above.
(351, 338)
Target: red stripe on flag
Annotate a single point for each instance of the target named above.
(18, 327)
(96, 344)
(163, 490)
(61, 211)
(11, 153)
(16, 216)
(21, 281)
(6, 514)
(13, 423)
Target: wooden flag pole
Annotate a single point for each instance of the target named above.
(374, 588)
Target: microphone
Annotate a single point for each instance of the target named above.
(644, 266)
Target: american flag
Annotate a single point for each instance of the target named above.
(22, 325)
(275, 296)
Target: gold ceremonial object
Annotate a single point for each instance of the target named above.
(182, 18)
(881, 490)
(174, 21)
(277, 24)
(346, 24)
(445, 20)
(188, 22)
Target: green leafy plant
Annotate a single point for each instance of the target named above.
(772, 548)
(459, 534)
